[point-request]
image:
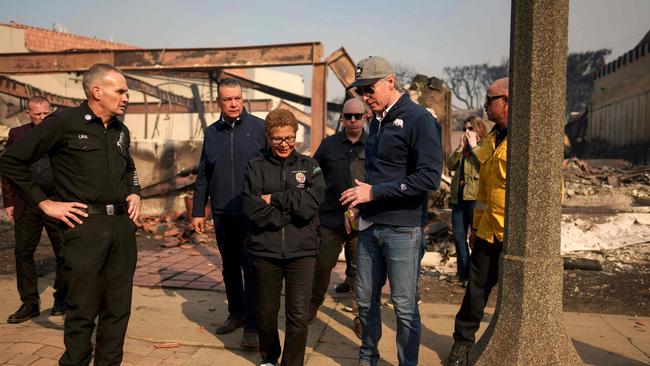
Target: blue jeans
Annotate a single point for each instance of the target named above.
(394, 252)
(461, 219)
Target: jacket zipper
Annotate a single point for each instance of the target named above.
(283, 179)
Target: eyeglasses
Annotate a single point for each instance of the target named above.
(468, 129)
(490, 98)
(356, 116)
(279, 140)
(366, 89)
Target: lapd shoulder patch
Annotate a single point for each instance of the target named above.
(300, 177)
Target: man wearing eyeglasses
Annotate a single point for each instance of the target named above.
(341, 157)
(228, 145)
(403, 164)
(486, 237)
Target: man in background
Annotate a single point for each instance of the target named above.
(486, 237)
(29, 223)
(341, 157)
(228, 145)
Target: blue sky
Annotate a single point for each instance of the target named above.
(426, 35)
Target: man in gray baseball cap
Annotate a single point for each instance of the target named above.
(403, 164)
(371, 70)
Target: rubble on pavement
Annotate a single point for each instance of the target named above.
(605, 219)
(173, 230)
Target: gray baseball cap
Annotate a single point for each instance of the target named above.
(371, 69)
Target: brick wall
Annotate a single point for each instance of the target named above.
(44, 40)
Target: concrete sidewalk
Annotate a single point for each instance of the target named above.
(187, 317)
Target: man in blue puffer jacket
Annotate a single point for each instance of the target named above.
(228, 145)
(403, 164)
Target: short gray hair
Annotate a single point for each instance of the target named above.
(37, 99)
(95, 72)
(229, 83)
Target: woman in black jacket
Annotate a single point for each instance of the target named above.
(282, 193)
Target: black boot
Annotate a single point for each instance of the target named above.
(459, 354)
(25, 313)
(59, 307)
(344, 287)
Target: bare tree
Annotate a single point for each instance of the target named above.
(404, 74)
(469, 82)
(580, 81)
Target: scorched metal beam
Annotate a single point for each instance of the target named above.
(163, 59)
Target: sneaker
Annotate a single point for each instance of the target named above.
(459, 355)
(267, 364)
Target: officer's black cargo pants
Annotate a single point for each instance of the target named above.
(100, 257)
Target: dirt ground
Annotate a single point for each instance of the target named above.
(612, 290)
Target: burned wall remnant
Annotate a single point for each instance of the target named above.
(619, 114)
(433, 94)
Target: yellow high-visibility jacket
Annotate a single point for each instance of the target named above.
(489, 212)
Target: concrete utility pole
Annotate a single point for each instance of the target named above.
(527, 327)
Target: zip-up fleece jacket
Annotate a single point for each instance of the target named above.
(403, 164)
(226, 151)
(288, 227)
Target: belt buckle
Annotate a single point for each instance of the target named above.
(110, 210)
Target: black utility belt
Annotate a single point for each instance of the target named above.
(108, 209)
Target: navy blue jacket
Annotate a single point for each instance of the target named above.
(403, 164)
(226, 151)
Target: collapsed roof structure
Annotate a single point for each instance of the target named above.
(29, 52)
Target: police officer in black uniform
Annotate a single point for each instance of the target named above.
(97, 201)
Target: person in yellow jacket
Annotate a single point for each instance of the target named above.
(464, 187)
(486, 237)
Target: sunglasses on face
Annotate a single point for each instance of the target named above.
(356, 116)
(279, 140)
(468, 129)
(490, 98)
(366, 89)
